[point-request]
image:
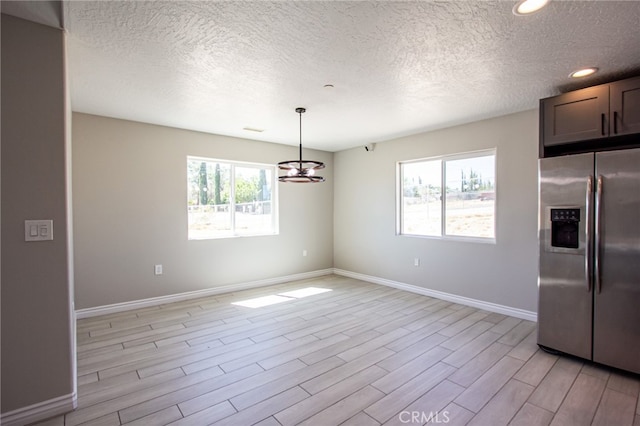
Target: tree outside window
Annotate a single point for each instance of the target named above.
(227, 199)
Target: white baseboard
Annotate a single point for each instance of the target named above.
(40, 411)
(155, 301)
(480, 304)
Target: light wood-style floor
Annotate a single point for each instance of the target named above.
(362, 354)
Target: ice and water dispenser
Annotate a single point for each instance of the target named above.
(565, 224)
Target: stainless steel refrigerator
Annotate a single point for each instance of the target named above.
(589, 271)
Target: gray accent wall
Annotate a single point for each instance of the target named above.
(365, 239)
(37, 335)
(130, 213)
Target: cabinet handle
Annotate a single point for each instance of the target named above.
(615, 122)
(602, 117)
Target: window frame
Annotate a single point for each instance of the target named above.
(272, 171)
(443, 208)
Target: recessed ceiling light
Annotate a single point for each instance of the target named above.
(583, 72)
(527, 7)
(328, 86)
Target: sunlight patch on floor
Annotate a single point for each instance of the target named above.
(273, 299)
(304, 292)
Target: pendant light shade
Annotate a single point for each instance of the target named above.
(300, 171)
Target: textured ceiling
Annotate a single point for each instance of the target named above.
(398, 68)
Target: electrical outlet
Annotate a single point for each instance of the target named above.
(158, 269)
(416, 261)
(304, 253)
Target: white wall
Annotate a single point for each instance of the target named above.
(365, 241)
(129, 201)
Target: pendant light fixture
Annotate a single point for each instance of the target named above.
(300, 171)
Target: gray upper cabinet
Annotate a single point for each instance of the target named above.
(625, 107)
(575, 116)
(593, 113)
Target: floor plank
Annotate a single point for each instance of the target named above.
(483, 389)
(581, 402)
(260, 393)
(265, 409)
(392, 404)
(530, 415)
(203, 401)
(207, 416)
(457, 415)
(536, 368)
(463, 354)
(504, 405)
(554, 387)
(430, 406)
(348, 369)
(410, 370)
(177, 396)
(478, 365)
(345, 408)
(329, 396)
(615, 408)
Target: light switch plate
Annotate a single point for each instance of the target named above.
(38, 230)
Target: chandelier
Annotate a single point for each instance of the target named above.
(300, 171)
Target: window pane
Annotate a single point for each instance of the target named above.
(253, 201)
(470, 205)
(209, 185)
(421, 198)
(226, 199)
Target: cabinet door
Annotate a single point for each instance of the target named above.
(575, 116)
(625, 107)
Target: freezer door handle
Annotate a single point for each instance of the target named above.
(597, 225)
(587, 228)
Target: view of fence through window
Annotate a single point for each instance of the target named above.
(468, 206)
(228, 199)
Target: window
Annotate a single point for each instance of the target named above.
(467, 208)
(230, 199)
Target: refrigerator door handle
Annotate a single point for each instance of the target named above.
(597, 224)
(587, 228)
